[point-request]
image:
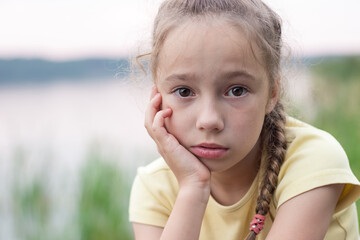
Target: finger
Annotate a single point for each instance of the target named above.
(165, 141)
(151, 110)
(158, 126)
(153, 107)
(154, 91)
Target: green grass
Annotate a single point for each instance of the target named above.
(103, 201)
(31, 211)
(101, 210)
(31, 202)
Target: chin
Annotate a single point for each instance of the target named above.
(214, 165)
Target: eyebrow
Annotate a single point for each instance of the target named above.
(225, 75)
(182, 76)
(235, 74)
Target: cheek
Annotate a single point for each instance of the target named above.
(248, 124)
(249, 127)
(177, 122)
(178, 125)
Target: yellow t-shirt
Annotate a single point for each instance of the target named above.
(314, 158)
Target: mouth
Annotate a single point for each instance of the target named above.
(209, 150)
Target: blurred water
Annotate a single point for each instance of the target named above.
(46, 131)
(64, 117)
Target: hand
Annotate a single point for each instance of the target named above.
(187, 168)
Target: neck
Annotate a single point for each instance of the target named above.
(230, 186)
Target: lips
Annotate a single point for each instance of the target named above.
(209, 150)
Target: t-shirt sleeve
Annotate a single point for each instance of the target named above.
(314, 160)
(151, 198)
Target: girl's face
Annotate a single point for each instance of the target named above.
(218, 91)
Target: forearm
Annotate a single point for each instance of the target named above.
(187, 215)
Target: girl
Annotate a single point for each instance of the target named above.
(230, 155)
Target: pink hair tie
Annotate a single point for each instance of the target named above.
(257, 223)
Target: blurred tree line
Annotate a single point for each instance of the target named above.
(22, 71)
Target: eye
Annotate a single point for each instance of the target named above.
(237, 91)
(184, 92)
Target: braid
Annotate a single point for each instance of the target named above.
(275, 146)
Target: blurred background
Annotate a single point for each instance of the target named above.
(71, 108)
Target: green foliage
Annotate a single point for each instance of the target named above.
(32, 207)
(31, 204)
(103, 201)
(338, 68)
(337, 97)
(101, 205)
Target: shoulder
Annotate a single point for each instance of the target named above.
(157, 166)
(314, 159)
(157, 176)
(308, 142)
(153, 194)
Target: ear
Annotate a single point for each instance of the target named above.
(273, 96)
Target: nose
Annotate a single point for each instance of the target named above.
(209, 117)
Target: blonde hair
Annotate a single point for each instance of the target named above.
(261, 25)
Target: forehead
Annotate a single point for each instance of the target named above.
(200, 45)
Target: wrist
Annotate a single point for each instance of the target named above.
(198, 180)
(195, 192)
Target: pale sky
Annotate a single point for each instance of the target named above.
(68, 29)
